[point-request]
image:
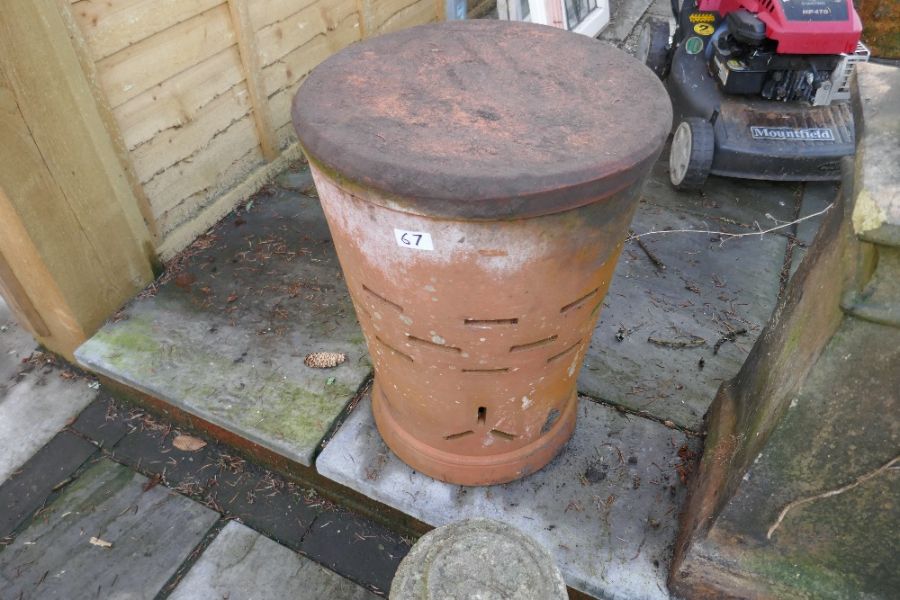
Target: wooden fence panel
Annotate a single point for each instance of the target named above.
(177, 101)
(201, 89)
(149, 62)
(112, 25)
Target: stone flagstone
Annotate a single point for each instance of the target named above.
(708, 289)
(225, 339)
(242, 564)
(605, 508)
(152, 530)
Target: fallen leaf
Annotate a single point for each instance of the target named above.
(184, 280)
(188, 443)
(232, 297)
(152, 482)
(101, 543)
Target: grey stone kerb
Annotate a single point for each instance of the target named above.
(876, 215)
(478, 559)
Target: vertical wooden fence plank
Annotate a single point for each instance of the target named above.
(246, 39)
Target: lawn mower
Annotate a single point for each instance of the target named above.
(760, 88)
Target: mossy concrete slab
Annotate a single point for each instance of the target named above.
(241, 563)
(656, 347)
(605, 508)
(224, 339)
(149, 530)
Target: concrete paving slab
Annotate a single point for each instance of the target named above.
(151, 531)
(16, 344)
(241, 563)
(605, 508)
(225, 338)
(35, 406)
(656, 347)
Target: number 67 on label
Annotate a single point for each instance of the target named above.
(417, 240)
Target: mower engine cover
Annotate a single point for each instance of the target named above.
(800, 26)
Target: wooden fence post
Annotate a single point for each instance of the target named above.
(262, 114)
(73, 243)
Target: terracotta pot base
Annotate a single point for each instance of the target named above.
(472, 470)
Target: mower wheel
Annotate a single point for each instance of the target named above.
(653, 46)
(691, 155)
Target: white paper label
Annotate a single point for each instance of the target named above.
(417, 240)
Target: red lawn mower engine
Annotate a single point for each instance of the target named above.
(790, 50)
(759, 88)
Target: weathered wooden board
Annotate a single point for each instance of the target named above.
(179, 143)
(179, 100)
(266, 12)
(279, 39)
(241, 563)
(202, 170)
(111, 25)
(286, 135)
(150, 531)
(280, 102)
(149, 62)
(27, 490)
(237, 170)
(393, 15)
(289, 69)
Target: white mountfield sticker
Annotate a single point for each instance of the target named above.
(417, 240)
(792, 134)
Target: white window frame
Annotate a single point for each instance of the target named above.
(590, 26)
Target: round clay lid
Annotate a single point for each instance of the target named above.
(483, 119)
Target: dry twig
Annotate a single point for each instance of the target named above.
(725, 236)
